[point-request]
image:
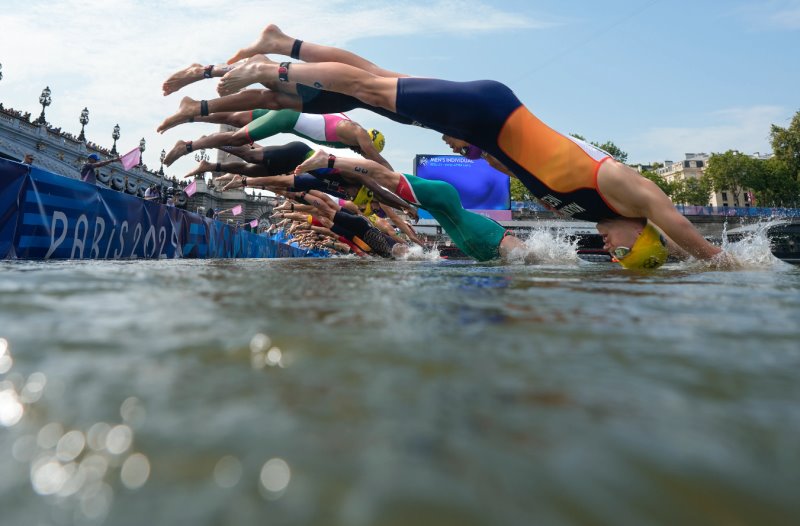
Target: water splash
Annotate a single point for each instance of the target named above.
(545, 245)
(418, 253)
(752, 252)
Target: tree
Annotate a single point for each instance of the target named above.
(786, 145)
(693, 191)
(734, 171)
(666, 187)
(608, 146)
(519, 192)
(614, 150)
(779, 186)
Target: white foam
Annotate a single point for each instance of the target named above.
(546, 246)
(418, 253)
(752, 252)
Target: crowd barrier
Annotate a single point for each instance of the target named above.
(47, 216)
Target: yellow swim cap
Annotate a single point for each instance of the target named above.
(648, 252)
(377, 139)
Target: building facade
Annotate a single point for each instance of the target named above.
(694, 166)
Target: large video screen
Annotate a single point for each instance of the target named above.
(482, 188)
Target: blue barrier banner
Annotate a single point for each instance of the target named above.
(47, 216)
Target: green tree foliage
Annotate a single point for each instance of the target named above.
(734, 171)
(519, 192)
(779, 186)
(786, 145)
(774, 182)
(666, 187)
(608, 146)
(693, 191)
(615, 151)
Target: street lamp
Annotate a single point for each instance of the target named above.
(44, 100)
(201, 156)
(161, 170)
(1, 72)
(84, 120)
(141, 149)
(115, 136)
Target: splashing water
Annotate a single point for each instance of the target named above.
(418, 253)
(754, 250)
(547, 246)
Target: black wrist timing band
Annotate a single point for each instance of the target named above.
(207, 71)
(331, 160)
(203, 108)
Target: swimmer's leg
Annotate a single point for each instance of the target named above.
(367, 87)
(274, 41)
(271, 123)
(192, 74)
(214, 140)
(477, 236)
(191, 110)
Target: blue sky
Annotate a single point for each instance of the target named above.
(659, 78)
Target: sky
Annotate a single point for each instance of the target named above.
(660, 78)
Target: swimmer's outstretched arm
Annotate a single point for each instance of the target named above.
(640, 197)
(365, 172)
(402, 225)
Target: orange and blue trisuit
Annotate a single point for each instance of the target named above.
(559, 170)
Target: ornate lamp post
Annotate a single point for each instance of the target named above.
(115, 136)
(44, 100)
(201, 156)
(161, 170)
(84, 120)
(141, 149)
(1, 72)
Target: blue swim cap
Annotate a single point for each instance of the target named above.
(94, 157)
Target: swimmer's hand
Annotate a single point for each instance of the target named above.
(725, 261)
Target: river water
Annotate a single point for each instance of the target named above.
(352, 392)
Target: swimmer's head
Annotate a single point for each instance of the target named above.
(377, 139)
(633, 243)
(94, 157)
(471, 152)
(462, 147)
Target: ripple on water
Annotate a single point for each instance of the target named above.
(352, 392)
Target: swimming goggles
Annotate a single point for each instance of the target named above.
(620, 252)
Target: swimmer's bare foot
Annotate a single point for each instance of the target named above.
(187, 109)
(223, 178)
(183, 78)
(235, 182)
(272, 40)
(180, 149)
(203, 167)
(315, 162)
(242, 76)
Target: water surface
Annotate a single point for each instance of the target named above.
(351, 392)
